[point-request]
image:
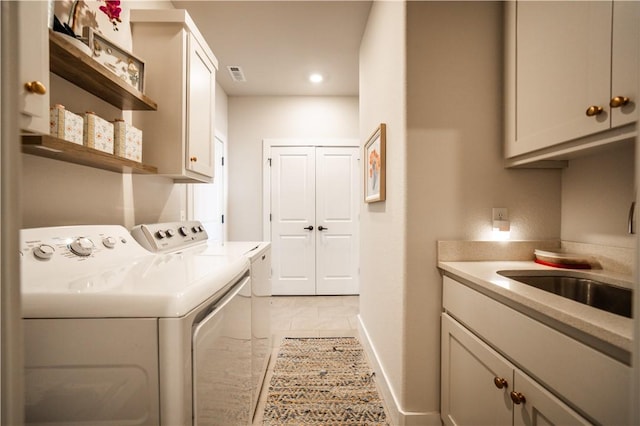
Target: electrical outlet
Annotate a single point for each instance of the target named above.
(500, 213)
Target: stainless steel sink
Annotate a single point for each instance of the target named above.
(601, 295)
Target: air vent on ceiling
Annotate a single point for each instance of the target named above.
(236, 73)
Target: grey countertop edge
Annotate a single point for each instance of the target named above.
(608, 333)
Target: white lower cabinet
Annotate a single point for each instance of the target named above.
(540, 407)
(502, 367)
(481, 387)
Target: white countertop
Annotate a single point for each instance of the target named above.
(603, 330)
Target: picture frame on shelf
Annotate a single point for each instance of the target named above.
(124, 64)
(375, 166)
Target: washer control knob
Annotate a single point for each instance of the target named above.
(109, 242)
(170, 233)
(161, 234)
(44, 252)
(82, 246)
(183, 231)
(195, 230)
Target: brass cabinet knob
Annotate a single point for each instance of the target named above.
(594, 110)
(500, 382)
(518, 398)
(35, 87)
(193, 159)
(618, 101)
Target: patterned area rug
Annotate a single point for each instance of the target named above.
(323, 381)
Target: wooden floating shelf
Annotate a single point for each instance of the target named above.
(60, 149)
(72, 64)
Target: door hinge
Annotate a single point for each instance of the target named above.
(222, 161)
(269, 217)
(222, 218)
(269, 160)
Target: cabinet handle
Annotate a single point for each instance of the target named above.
(594, 110)
(618, 101)
(309, 228)
(518, 398)
(35, 87)
(500, 382)
(193, 159)
(322, 228)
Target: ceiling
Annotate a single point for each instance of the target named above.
(279, 43)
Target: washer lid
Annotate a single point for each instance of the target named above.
(101, 271)
(153, 286)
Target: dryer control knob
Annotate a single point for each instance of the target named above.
(183, 231)
(170, 233)
(44, 252)
(109, 242)
(161, 234)
(82, 246)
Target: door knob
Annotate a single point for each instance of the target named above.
(35, 87)
(322, 228)
(193, 159)
(309, 228)
(618, 101)
(518, 398)
(500, 382)
(594, 110)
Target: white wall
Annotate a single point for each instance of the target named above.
(453, 176)
(383, 224)
(597, 191)
(252, 119)
(222, 112)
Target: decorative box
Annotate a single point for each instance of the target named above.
(127, 141)
(98, 133)
(65, 125)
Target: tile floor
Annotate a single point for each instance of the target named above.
(307, 316)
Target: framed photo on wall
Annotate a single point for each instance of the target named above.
(122, 63)
(374, 166)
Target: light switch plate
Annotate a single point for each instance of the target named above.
(500, 213)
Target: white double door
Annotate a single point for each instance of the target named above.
(315, 193)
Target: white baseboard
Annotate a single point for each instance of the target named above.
(398, 417)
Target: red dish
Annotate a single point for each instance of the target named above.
(564, 265)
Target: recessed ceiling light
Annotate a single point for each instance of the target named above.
(316, 78)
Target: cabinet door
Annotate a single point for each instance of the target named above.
(625, 60)
(33, 65)
(201, 108)
(540, 406)
(469, 368)
(563, 61)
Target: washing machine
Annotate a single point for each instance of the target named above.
(160, 238)
(118, 335)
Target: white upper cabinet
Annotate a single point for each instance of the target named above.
(34, 66)
(571, 76)
(180, 73)
(625, 61)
